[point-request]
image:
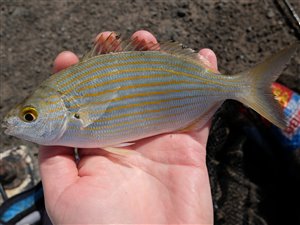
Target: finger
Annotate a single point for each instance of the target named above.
(107, 41)
(58, 168)
(90, 158)
(103, 36)
(143, 39)
(202, 135)
(208, 57)
(64, 60)
(84, 152)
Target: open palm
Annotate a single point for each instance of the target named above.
(165, 181)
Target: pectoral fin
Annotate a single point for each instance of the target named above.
(90, 112)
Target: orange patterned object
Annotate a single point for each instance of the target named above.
(290, 101)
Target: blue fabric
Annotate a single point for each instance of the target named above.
(21, 206)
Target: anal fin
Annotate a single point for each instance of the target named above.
(202, 120)
(120, 151)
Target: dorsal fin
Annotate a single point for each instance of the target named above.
(177, 48)
(130, 45)
(114, 43)
(110, 44)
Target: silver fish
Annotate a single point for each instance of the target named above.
(114, 99)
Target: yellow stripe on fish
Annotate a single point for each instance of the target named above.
(121, 97)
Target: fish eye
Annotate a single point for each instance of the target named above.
(29, 114)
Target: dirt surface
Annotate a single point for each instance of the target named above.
(242, 33)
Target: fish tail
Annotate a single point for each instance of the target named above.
(256, 91)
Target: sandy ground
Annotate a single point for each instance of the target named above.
(32, 33)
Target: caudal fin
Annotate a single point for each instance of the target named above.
(257, 92)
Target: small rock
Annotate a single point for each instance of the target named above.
(181, 13)
(270, 14)
(184, 5)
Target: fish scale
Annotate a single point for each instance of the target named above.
(172, 75)
(120, 97)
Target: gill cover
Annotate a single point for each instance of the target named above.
(40, 118)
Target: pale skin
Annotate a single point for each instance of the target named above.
(166, 182)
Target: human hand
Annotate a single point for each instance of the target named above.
(167, 183)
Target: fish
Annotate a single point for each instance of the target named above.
(111, 100)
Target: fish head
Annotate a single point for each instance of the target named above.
(40, 118)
